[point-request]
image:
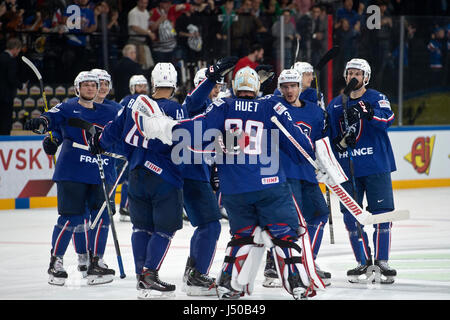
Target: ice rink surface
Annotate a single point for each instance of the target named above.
(420, 252)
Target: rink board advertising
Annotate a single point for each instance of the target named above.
(422, 155)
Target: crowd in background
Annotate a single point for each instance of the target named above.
(193, 33)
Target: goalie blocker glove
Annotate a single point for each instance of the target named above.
(220, 69)
(37, 125)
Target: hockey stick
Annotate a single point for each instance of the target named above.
(364, 217)
(297, 50)
(76, 122)
(111, 192)
(328, 56)
(348, 89)
(44, 97)
(87, 126)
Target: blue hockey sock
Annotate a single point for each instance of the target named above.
(80, 237)
(157, 249)
(356, 246)
(139, 242)
(99, 235)
(382, 241)
(62, 233)
(203, 245)
(315, 235)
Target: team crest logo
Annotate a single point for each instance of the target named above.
(306, 128)
(421, 153)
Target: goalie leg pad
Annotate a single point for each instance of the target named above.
(242, 259)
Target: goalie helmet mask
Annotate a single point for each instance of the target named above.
(359, 64)
(85, 76)
(246, 79)
(135, 80)
(103, 75)
(164, 75)
(288, 76)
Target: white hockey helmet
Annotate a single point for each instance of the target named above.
(359, 64)
(85, 76)
(246, 79)
(137, 79)
(103, 75)
(164, 75)
(199, 76)
(289, 75)
(302, 67)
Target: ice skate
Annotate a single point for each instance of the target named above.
(271, 279)
(198, 284)
(124, 214)
(224, 289)
(324, 275)
(57, 274)
(151, 287)
(187, 269)
(359, 274)
(83, 262)
(98, 272)
(299, 290)
(387, 273)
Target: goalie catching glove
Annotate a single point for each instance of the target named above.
(329, 170)
(150, 120)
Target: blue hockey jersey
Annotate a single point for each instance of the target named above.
(310, 119)
(373, 152)
(74, 164)
(151, 154)
(195, 103)
(258, 166)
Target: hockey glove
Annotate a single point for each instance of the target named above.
(94, 143)
(37, 125)
(342, 142)
(361, 110)
(50, 146)
(220, 69)
(265, 73)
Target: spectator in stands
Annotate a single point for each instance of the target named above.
(245, 29)
(162, 22)
(319, 33)
(75, 57)
(189, 39)
(290, 36)
(347, 12)
(9, 83)
(141, 34)
(251, 60)
(436, 48)
(383, 45)
(226, 17)
(125, 68)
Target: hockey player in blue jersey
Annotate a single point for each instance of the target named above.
(78, 181)
(306, 72)
(255, 192)
(302, 178)
(369, 115)
(199, 199)
(155, 183)
(138, 84)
